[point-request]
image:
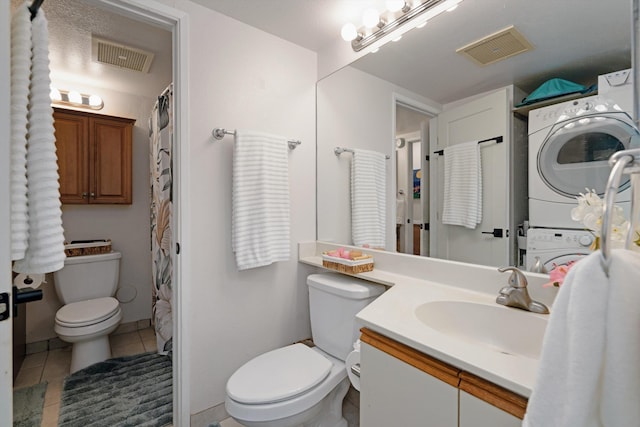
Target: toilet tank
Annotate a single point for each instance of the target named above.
(88, 277)
(334, 301)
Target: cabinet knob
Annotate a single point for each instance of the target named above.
(84, 195)
(93, 195)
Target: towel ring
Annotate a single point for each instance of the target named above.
(620, 161)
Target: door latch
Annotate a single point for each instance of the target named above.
(497, 232)
(5, 306)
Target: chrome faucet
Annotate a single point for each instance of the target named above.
(515, 294)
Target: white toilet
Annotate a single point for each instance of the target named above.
(298, 385)
(86, 286)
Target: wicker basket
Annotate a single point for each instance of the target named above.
(347, 265)
(87, 248)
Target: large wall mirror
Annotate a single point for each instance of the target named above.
(391, 101)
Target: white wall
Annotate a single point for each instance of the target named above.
(342, 121)
(126, 225)
(241, 77)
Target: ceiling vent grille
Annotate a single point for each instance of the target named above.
(496, 47)
(119, 55)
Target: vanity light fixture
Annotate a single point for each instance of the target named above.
(75, 99)
(400, 16)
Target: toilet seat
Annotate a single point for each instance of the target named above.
(278, 375)
(86, 313)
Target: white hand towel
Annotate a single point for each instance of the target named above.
(260, 228)
(45, 252)
(589, 372)
(462, 185)
(20, 73)
(368, 198)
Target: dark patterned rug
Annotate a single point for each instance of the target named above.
(126, 391)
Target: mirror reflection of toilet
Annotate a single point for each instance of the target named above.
(299, 385)
(86, 286)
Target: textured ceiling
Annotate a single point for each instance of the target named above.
(71, 23)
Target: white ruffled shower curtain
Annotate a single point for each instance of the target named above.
(161, 168)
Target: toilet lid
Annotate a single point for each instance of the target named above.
(278, 375)
(84, 313)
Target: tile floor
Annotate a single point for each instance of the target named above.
(53, 366)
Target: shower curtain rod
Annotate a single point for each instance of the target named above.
(34, 8)
(340, 150)
(219, 133)
(497, 139)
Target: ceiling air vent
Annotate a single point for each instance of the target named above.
(119, 55)
(496, 47)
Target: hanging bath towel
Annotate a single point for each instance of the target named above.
(20, 73)
(260, 228)
(589, 371)
(462, 185)
(368, 203)
(45, 252)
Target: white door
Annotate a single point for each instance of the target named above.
(6, 344)
(478, 119)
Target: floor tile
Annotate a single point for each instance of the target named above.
(54, 391)
(150, 345)
(230, 422)
(28, 377)
(57, 365)
(128, 349)
(124, 339)
(50, 415)
(147, 334)
(35, 359)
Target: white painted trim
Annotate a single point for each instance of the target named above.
(6, 327)
(433, 112)
(152, 12)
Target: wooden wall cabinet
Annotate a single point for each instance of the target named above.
(94, 157)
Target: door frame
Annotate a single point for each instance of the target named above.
(432, 112)
(177, 22)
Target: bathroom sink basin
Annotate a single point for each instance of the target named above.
(506, 330)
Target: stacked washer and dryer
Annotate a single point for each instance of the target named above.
(569, 147)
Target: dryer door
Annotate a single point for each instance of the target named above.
(564, 259)
(575, 153)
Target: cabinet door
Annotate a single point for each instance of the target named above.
(395, 393)
(71, 132)
(478, 413)
(110, 162)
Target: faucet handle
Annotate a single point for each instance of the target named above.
(517, 278)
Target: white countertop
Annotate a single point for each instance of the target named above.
(393, 314)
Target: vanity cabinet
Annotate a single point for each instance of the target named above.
(402, 386)
(94, 157)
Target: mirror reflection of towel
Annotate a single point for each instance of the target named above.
(368, 193)
(462, 185)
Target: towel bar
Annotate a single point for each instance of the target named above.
(219, 133)
(339, 150)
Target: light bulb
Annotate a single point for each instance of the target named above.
(75, 97)
(374, 50)
(396, 39)
(349, 32)
(370, 18)
(394, 5)
(95, 101)
(422, 24)
(55, 94)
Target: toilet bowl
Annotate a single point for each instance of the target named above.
(288, 387)
(299, 385)
(86, 286)
(87, 325)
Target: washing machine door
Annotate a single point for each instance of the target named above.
(575, 153)
(551, 263)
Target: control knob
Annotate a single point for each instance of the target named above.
(585, 240)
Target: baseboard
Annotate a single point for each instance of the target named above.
(55, 343)
(209, 416)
